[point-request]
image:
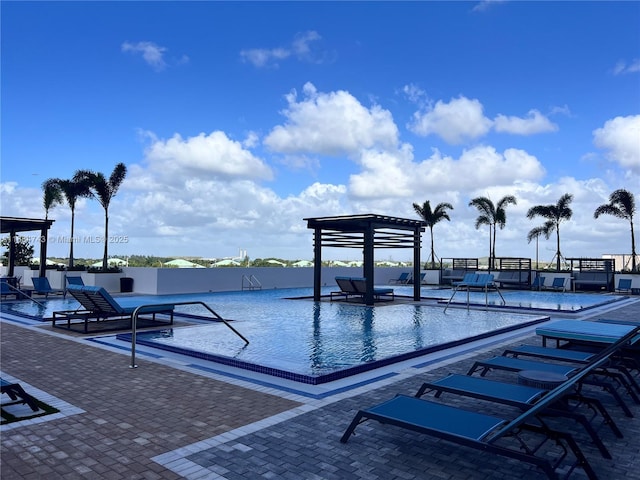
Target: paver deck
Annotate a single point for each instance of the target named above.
(161, 422)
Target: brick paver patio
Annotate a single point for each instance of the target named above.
(160, 422)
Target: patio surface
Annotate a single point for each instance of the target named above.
(165, 422)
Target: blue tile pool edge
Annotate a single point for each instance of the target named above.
(329, 377)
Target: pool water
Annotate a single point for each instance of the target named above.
(304, 340)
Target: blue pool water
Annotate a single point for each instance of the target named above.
(317, 342)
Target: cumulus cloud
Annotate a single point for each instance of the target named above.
(211, 155)
(301, 48)
(456, 122)
(534, 123)
(620, 137)
(397, 174)
(151, 53)
(331, 124)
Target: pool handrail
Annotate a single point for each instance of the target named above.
(140, 309)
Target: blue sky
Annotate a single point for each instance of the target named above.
(236, 120)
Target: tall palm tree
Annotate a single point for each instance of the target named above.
(72, 190)
(52, 195)
(494, 216)
(104, 190)
(431, 217)
(621, 204)
(554, 215)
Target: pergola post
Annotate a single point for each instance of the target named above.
(416, 265)
(12, 253)
(43, 251)
(317, 264)
(368, 258)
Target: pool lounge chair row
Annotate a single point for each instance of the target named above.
(511, 436)
(96, 304)
(356, 287)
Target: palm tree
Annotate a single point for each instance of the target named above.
(494, 216)
(72, 190)
(431, 217)
(104, 190)
(554, 215)
(52, 195)
(622, 205)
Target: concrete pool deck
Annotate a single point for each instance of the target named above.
(164, 421)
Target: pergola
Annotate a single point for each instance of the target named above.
(366, 232)
(13, 225)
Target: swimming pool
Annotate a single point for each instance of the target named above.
(318, 342)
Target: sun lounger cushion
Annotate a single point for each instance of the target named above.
(584, 331)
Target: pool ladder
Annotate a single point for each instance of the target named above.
(250, 282)
(153, 306)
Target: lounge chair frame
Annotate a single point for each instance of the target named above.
(97, 304)
(17, 394)
(482, 432)
(356, 287)
(41, 286)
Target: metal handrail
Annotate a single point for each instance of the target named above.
(24, 294)
(141, 308)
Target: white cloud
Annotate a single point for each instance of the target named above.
(484, 5)
(213, 156)
(620, 137)
(333, 123)
(458, 121)
(301, 47)
(151, 53)
(261, 57)
(622, 67)
(534, 123)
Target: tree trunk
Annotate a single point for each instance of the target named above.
(634, 267)
(106, 239)
(558, 254)
(73, 216)
(433, 255)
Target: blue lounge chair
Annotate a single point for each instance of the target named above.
(538, 283)
(8, 290)
(356, 287)
(75, 280)
(379, 294)
(476, 281)
(96, 303)
(518, 365)
(41, 286)
(484, 432)
(347, 289)
(522, 397)
(403, 279)
(468, 278)
(624, 285)
(17, 394)
(559, 284)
